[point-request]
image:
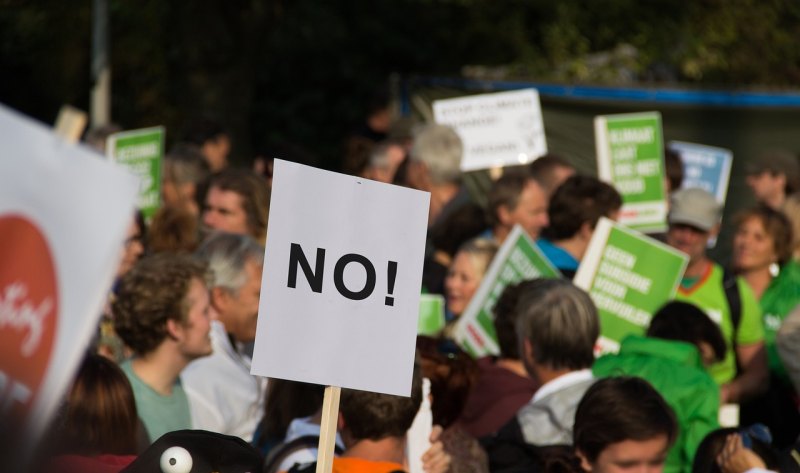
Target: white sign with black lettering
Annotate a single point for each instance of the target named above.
(498, 129)
(341, 285)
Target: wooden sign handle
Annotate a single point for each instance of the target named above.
(327, 434)
(70, 124)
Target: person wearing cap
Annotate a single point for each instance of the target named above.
(693, 219)
(774, 176)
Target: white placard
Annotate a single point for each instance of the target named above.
(63, 216)
(331, 312)
(499, 129)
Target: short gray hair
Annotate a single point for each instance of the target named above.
(561, 323)
(226, 255)
(440, 148)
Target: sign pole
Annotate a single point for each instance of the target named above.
(327, 434)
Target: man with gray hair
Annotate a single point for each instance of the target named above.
(223, 396)
(435, 166)
(557, 327)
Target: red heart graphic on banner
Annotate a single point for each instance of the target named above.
(28, 317)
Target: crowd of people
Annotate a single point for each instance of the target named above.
(174, 344)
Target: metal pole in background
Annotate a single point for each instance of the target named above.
(100, 108)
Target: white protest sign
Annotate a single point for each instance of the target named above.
(63, 216)
(499, 129)
(340, 291)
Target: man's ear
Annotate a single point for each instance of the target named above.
(586, 231)
(528, 348)
(504, 215)
(174, 329)
(584, 461)
(220, 298)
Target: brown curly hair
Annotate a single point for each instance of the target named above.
(150, 294)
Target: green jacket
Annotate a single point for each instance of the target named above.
(780, 298)
(675, 370)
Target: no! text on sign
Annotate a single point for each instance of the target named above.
(341, 285)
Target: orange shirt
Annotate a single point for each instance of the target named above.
(358, 465)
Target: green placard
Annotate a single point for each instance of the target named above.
(517, 260)
(141, 151)
(630, 155)
(629, 276)
(431, 314)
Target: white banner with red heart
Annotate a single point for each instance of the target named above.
(63, 215)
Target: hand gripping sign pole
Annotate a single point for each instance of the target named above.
(341, 285)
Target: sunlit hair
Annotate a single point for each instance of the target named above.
(481, 251)
(99, 416)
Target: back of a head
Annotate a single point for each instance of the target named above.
(375, 416)
(255, 194)
(561, 323)
(777, 162)
(227, 254)
(705, 458)
(505, 318)
(452, 373)
(440, 149)
(461, 225)
(579, 200)
(173, 229)
(545, 170)
(617, 409)
(685, 322)
(285, 401)
(99, 416)
(202, 129)
(185, 164)
(152, 292)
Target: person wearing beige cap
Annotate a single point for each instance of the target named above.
(694, 218)
(773, 176)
